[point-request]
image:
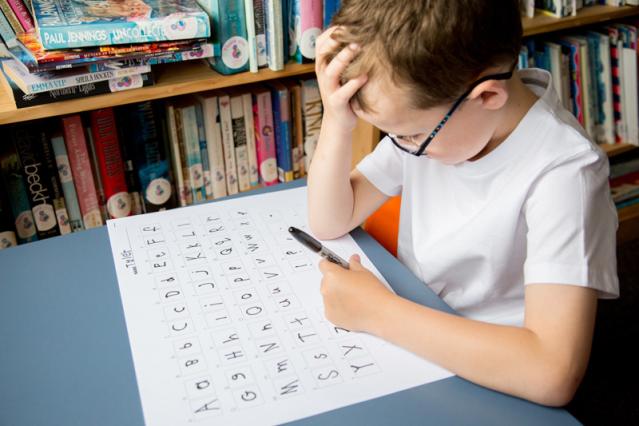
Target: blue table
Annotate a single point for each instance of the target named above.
(65, 356)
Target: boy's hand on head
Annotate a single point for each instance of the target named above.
(353, 298)
(335, 96)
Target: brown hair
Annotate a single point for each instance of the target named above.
(433, 48)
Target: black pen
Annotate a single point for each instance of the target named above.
(314, 245)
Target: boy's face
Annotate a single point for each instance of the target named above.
(462, 138)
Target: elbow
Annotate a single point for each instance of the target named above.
(557, 388)
(322, 232)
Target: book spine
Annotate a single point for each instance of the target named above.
(22, 13)
(606, 107)
(66, 181)
(264, 143)
(249, 126)
(8, 236)
(176, 161)
(193, 155)
(297, 131)
(48, 158)
(37, 180)
(204, 152)
(191, 26)
(332, 6)
(6, 32)
(213, 132)
(274, 34)
(616, 84)
(24, 100)
(95, 169)
(239, 142)
(15, 185)
(110, 164)
(11, 17)
(249, 9)
(81, 169)
(260, 32)
(226, 125)
(308, 26)
(130, 173)
(282, 127)
(229, 19)
(312, 118)
(184, 167)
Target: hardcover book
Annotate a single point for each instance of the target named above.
(64, 24)
(66, 180)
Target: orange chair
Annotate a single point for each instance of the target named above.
(383, 225)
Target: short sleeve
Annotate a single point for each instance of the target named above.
(383, 168)
(572, 223)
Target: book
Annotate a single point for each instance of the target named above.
(8, 236)
(23, 100)
(332, 6)
(64, 24)
(311, 118)
(148, 153)
(80, 162)
(110, 163)
(7, 32)
(22, 13)
(11, 17)
(181, 187)
(630, 109)
(616, 47)
(213, 132)
(576, 88)
(249, 126)
(25, 138)
(66, 181)
(297, 131)
(229, 34)
(282, 130)
(605, 124)
(306, 20)
(274, 34)
(204, 152)
(16, 190)
(95, 170)
(30, 52)
(193, 156)
(46, 81)
(226, 126)
(264, 138)
(260, 32)
(240, 142)
(249, 9)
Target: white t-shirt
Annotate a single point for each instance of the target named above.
(537, 209)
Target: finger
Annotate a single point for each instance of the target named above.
(326, 266)
(355, 263)
(323, 47)
(339, 63)
(346, 92)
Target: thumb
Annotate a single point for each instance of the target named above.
(355, 263)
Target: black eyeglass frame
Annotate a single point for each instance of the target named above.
(458, 102)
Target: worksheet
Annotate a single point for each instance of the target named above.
(226, 322)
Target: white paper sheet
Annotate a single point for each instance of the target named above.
(225, 318)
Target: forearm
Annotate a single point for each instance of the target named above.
(330, 194)
(512, 360)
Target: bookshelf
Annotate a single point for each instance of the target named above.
(196, 76)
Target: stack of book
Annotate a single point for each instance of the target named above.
(60, 49)
(595, 75)
(563, 8)
(66, 174)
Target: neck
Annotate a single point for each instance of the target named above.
(519, 102)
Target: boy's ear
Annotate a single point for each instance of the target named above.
(491, 94)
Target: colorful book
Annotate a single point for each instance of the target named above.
(240, 143)
(147, 149)
(16, 190)
(11, 17)
(251, 36)
(306, 19)
(7, 33)
(213, 132)
(229, 34)
(64, 24)
(576, 91)
(297, 131)
(110, 163)
(39, 190)
(629, 72)
(95, 169)
(274, 34)
(226, 125)
(204, 152)
(260, 32)
(332, 6)
(66, 181)
(47, 81)
(264, 138)
(22, 13)
(282, 131)
(311, 118)
(80, 162)
(616, 46)
(193, 154)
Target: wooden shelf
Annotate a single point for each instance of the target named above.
(617, 148)
(171, 80)
(541, 24)
(628, 224)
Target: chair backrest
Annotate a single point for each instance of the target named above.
(383, 225)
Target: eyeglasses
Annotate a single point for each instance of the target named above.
(409, 145)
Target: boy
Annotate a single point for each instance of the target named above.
(506, 212)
